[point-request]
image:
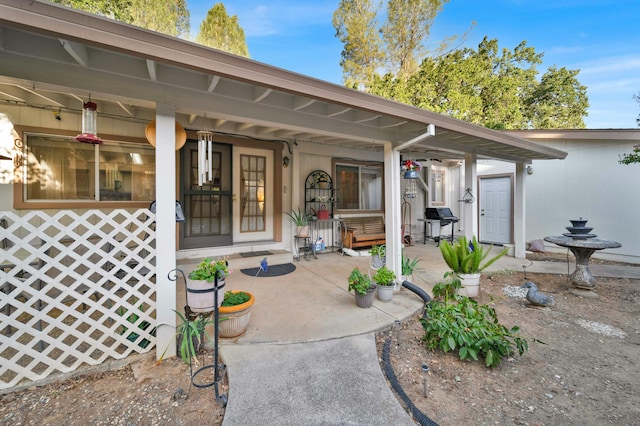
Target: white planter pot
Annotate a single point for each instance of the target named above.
(201, 295)
(470, 285)
(385, 292)
(377, 261)
(302, 231)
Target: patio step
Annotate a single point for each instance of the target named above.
(237, 261)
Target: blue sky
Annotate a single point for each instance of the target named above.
(601, 38)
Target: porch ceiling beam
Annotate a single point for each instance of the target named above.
(447, 145)
(152, 70)
(260, 93)
(77, 51)
(300, 102)
(431, 132)
(212, 82)
(128, 110)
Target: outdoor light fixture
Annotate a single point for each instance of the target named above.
(89, 124)
(285, 162)
(205, 156)
(150, 133)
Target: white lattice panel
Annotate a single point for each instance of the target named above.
(74, 289)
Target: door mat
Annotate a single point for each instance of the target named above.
(272, 270)
(256, 253)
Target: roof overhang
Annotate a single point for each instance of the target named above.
(58, 57)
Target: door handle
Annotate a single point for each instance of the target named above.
(233, 198)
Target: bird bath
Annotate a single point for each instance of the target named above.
(582, 245)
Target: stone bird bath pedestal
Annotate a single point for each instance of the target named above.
(582, 245)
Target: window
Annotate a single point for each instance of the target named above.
(61, 169)
(437, 187)
(360, 186)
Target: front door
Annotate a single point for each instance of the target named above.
(207, 208)
(252, 194)
(495, 210)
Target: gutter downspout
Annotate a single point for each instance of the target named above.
(392, 201)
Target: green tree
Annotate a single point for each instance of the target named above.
(633, 157)
(223, 32)
(405, 32)
(114, 9)
(165, 16)
(356, 27)
(492, 87)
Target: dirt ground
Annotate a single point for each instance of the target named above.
(586, 374)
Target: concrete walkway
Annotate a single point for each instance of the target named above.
(309, 355)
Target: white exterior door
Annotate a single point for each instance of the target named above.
(252, 194)
(496, 210)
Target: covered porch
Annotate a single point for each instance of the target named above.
(54, 58)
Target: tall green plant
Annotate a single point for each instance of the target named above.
(458, 323)
(465, 258)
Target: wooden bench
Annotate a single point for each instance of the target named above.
(363, 231)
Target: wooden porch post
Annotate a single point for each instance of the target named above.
(519, 220)
(471, 209)
(392, 201)
(165, 229)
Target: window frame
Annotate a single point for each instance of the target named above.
(357, 163)
(20, 165)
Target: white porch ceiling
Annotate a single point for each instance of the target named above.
(55, 57)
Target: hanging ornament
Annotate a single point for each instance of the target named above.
(205, 156)
(411, 169)
(89, 124)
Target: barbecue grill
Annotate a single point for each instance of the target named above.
(438, 218)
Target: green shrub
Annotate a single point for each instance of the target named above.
(458, 323)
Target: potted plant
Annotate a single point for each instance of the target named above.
(385, 280)
(323, 181)
(190, 335)
(468, 259)
(409, 266)
(201, 283)
(235, 313)
(378, 256)
(301, 220)
(362, 287)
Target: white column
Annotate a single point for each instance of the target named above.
(392, 200)
(471, 209)
(519, 220)
(165, 230)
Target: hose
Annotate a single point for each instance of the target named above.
(418, 415)
(420, 292)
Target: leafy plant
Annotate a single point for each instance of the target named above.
(464, 257)
(384, 276)
(208, 268)
(190, 335)
(299, 217)
(458, 323)
(409, 266)
(359, 282)
(232, 298)
(378, 250)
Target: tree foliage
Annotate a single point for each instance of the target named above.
(114, 9)
(356, 27)
(633, 157)
(492, 87)
(223, 32)
(165, 16)
(407, 27)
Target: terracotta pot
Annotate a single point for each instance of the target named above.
(234, 320)
(201, 294)
(302, 231)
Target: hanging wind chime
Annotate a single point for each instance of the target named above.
(205, 156)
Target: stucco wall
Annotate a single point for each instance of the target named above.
(589, 183)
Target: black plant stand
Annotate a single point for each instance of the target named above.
(218, 368)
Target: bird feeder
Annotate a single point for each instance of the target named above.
(89, 124)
